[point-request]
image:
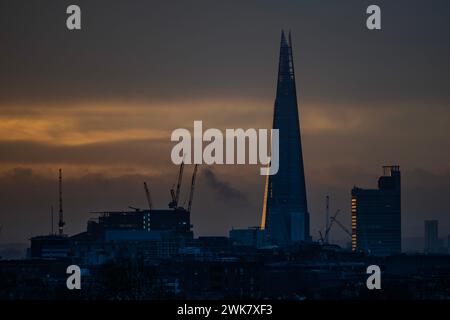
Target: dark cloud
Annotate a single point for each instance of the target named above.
(224, 191)
(159, 50)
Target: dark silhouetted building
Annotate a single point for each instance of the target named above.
(376, 215)
(251, 237)
(155, 220)
(50, 246)
(431, 236)
(285, 216)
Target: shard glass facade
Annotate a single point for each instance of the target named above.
(285, 217)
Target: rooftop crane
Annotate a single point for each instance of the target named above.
(180, 178)
(321, 237)
(176, 196)
(61, 222)
(172, 194)
(325, 237)
(342, 226)
(191, 194)
(147, 194)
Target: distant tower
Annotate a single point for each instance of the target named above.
(431, 236)
(61, 222)
(285, 214)
(327, 217)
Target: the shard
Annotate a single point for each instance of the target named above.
(285, 216)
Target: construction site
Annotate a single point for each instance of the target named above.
(169, 228)
(153, 254)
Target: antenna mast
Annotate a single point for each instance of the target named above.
(61, 222)
(51, 210)
(327, 217)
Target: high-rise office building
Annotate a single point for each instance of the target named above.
(431, 236)
(376, 215)
(285, 216)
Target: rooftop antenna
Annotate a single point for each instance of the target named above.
(61, 222)
(327, 217)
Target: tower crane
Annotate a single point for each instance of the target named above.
(342, 226)
(176, 195)
(191, 193)
(147, 194)
(325, 237)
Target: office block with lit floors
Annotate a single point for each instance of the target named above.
(376, 215)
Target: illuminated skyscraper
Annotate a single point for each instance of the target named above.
(285, 214)
(376, 215)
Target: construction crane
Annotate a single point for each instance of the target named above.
(324, 238)
(180, 177)
(61, 222)
(147, 194)
(342, 226)
(176, 196)
(172, 194)
(191, 194)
